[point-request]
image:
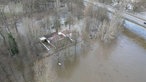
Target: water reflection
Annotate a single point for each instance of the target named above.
(68, 60)
(137, 39)
(105, 49)
(121, 60)
(138, 30)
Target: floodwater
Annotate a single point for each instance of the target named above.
(124, 60)
(138, 30)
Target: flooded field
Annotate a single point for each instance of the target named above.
(124, 60)
(106, 43)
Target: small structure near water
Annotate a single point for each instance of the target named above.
(57, 40)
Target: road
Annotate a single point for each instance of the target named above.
(128, 16)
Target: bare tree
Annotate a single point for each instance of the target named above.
(99, 25)
(104, 1)
(76, 7)
(69, 20)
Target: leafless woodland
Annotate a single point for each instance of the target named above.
(22, 22)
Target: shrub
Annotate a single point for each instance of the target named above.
(12, 45)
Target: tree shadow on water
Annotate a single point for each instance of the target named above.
(104, 51)
(65, 62)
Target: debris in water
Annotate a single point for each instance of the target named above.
(59, 64)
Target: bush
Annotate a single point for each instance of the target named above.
(12, 45)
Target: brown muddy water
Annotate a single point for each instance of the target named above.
(124, 60)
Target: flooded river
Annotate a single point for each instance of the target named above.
(122, 61)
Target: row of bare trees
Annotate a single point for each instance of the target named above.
(100, 25)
